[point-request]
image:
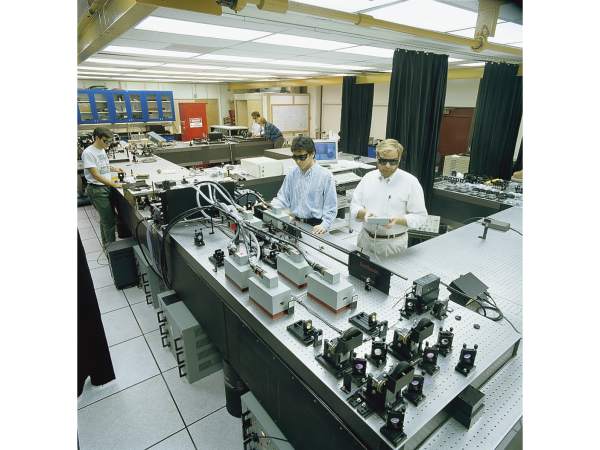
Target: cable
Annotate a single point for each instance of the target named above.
(137, 238)
(516, 231)
(314, 313)
(484, 305)
(255, 437)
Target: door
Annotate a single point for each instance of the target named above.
(193, 121)
(253, 105)
(241, 113)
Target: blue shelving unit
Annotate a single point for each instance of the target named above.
(97, 106)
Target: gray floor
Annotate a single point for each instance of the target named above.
(148, 405)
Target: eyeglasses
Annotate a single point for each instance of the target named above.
(300, 157)
(391, 162)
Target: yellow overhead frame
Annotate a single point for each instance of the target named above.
(364, 20)
(455, 73)
(107, 20)
(114, 17)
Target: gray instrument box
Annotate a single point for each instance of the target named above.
(195, 354)
(331, 289)
(238, 270)
(269, 294)
(293, 267)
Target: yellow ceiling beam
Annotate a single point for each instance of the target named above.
(201, 6)
(110, 19)
(285, 83)
(454, 73)
(364, 20)
(108, 22)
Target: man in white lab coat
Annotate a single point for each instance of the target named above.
(391, 194)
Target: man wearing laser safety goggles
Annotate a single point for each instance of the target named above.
(308, 191)
(389, 201)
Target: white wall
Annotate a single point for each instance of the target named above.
(332, 108)
(461, 93)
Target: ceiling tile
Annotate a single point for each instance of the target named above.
(347, 5)
(427, 14)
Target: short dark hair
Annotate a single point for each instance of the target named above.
(255, 114)
(303, 143)
(102, 132)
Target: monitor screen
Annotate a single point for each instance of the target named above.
(325, 150)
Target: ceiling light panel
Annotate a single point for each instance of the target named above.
(102, 74)
(227, 58)
(427, 14)
(284, 62)
(347, 5)
(474, 64)
(122, 62)
(104, 69)
(282, 71)
(148, 52)
(370, 51)
(291, 40)
(191, 66)
(164, 25)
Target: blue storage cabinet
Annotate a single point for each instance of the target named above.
(119, 106)
(122, 107)
(137, 105)
(167, 106)
(85, 114)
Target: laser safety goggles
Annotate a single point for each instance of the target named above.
(300, 157)
(391, 162)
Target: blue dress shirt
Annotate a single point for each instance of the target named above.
(309, 195)
(271, 132)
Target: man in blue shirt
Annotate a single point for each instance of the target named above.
(308, 191)
(271, 132)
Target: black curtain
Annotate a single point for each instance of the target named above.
(93, 357)
(415, 108)
(519, 162)
(355, 123)
(497, 119)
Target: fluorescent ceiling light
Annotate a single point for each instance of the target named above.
(154, 80)
(148, 51)
(247, 59)
(347, 5)
(191, 66)
(370, 51)
(122, 62)
(104, 69)
(291, 40)
(164, 25)
(283, 71)
(475, 64)
(427, 14)
(286, 62)
(99, 73)
(165, 72)
(451, 60)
